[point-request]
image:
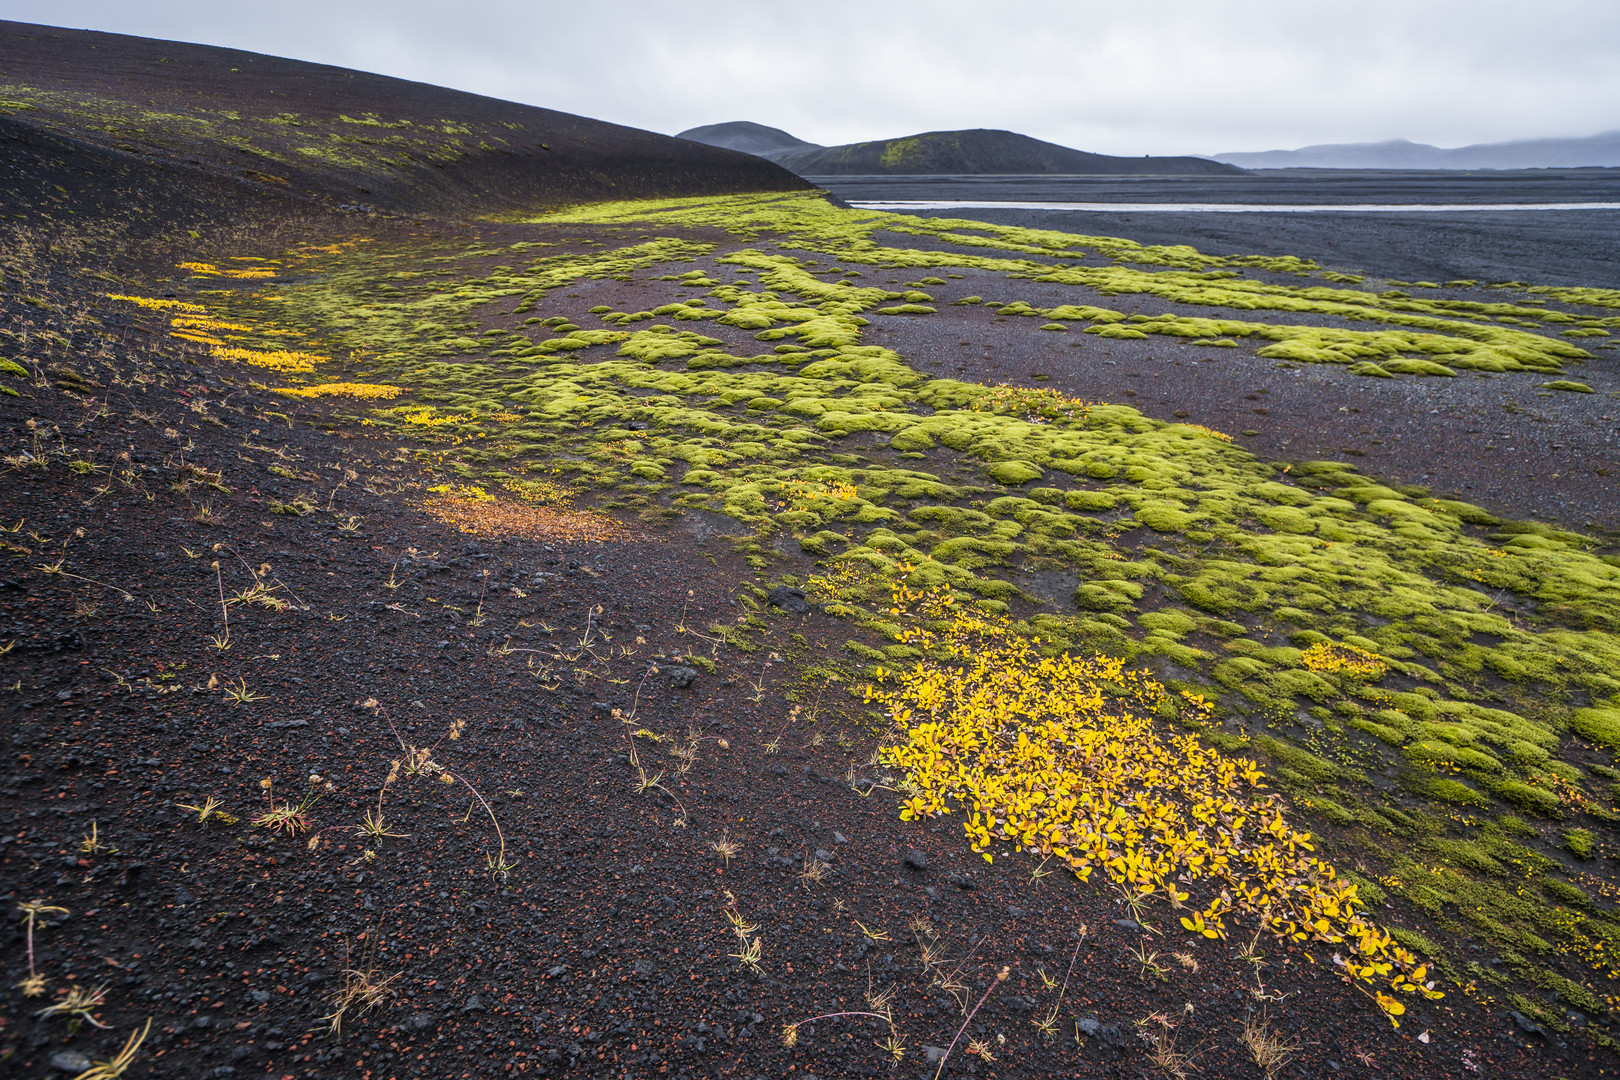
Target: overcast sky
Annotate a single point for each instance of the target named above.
(1122, 77)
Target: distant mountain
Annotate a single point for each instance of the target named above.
(980, 151)
(1592, 151)
(750, 138)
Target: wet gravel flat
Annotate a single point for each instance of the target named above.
(1564, 247)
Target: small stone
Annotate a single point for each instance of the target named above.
(473, 1005)
(916, 860)
(556, 971)
(1530, 1026)
(789, 599)
(69, 1061)
(1108, 1036)
(420, 1022)
(839, 838)
(644, 967)
(1128, 924)
(779, 770)
(961, 881)
(1015, 912)
(824, 855)
(681, 677)
(934, 1054)
(260, 997)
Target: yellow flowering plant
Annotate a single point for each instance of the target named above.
(1061, 756)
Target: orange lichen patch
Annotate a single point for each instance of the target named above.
(342, 389)
(495, 518)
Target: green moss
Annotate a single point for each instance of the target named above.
(1567, 384)
(1013, 473)
(1580, 842)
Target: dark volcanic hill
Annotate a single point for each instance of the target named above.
(750, 138)
(982, 151)
(295, 128)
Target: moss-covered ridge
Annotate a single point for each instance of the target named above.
(1464, 775)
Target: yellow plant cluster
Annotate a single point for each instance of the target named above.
(462, 491)
(246, 273)
(1060, 755)
(1345, 660)
(286, 361)
(1035, 406)
(426, 417)
(343, 389)
(154, 304)
(1209, 432)
(804, 489)
(844, 580)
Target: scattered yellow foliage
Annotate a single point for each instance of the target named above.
(249, 273)
(154, 304)
(1060, 755)
(285, 361)
(342, 389)
(1346, 660)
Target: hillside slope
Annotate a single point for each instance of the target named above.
(982, 151)
(748, 137)
(306, 129)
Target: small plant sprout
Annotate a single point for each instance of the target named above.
(1161, 1045)
(221, 642)
(364, 989)
(78, 1006)
(874, 936)
(209, 808)
(750, 946)
(374, 828)
(815, 871)
(1047, 1024)
(1149, 962)
(288, 817)
(725, 847)
(240, 694)
(34, 984)
(117, 1066)
(1268, 1047)
(91, 843)
(1001, 977)
(979, 1048)
(392, 582)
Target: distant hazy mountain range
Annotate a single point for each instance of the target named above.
(977, 152)
(1594, 150)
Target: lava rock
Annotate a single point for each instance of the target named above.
(69, 1061)
(789, 599)
(1108, 1036)
(916, 860)
(682, 677)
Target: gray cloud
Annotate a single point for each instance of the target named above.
(1176, 76)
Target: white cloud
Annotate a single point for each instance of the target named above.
(1177, 76)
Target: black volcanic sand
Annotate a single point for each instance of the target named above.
(1564, 247)
(606, 951)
